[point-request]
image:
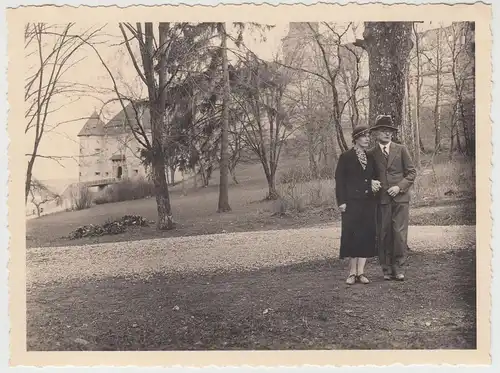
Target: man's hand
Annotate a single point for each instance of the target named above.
(393, 191)
(375, 186)
(342, 207)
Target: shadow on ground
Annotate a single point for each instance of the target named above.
(304, 306)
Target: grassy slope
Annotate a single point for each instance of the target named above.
(196, 212)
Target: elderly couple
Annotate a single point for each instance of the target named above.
(372, 195)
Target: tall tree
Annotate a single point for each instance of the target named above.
(262, 96)
(54, 48)
(388, 45)
(224, 164)
(41, 194)
(418, 81)
(330, 50)
(165, 67)
(224, 152)
(462, 45)
(438, 64)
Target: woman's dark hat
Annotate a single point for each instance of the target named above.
(359, 131)
(384, 121)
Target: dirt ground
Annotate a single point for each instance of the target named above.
(302, 306)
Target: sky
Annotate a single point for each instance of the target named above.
(90, 71)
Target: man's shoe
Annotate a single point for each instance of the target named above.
(399, 277)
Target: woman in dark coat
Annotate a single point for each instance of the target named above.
(355, 188)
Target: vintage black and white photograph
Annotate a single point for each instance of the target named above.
(296, 185)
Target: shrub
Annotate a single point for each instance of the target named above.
(305, 174)
(81, 198)
(125, 190)
(296, 175)
(447, 179)
(110, 227)
(298, 196)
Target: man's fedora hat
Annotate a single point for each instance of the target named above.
(384, 121)
(359, 130)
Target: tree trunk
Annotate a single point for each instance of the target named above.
(172, 175)
(195, 178)
(165, 219)
(411, 130)
(224, 154)
(29, 173)
(233, 174)
(471, 54)
(158, 108)
(452, 138)
(459, 141)
(313, 165)
(271, 183)
(184, 192)
(437, 108)
(388, 45)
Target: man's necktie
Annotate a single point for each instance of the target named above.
(386, 153)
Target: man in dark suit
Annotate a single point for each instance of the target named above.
(396, 174)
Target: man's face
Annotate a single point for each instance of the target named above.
(383, 135)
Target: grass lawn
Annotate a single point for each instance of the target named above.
(196, 213)
(303, 306)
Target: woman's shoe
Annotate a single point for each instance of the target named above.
(351, 280)
(363, 279)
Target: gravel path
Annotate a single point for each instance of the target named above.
(227, 251)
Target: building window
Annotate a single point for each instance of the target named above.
(97, 173)
(136, 171)
(80, 174)
(107, 174)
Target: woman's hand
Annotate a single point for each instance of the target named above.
(342, 207)
(376, 186)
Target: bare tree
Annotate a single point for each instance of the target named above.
(262, 96)
(461, 44)
(435, 67)
(40, 195)
(350, 75)
(225, 160)
(55, 49)
(335, 58)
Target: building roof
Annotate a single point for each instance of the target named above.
(117, 125)
(93, 126)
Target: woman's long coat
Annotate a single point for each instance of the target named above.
(353, 188)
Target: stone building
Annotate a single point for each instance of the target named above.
(109, 152)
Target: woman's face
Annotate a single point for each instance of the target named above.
(363, 140)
